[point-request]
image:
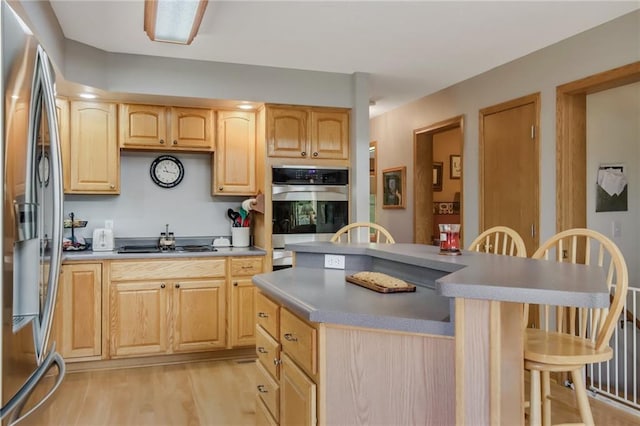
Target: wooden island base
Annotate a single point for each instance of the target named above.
(382, 377)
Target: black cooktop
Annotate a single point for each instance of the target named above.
(156, 249)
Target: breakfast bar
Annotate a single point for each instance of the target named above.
(468, 308)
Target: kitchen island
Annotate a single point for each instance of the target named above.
(472, 376)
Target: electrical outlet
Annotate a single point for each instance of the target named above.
(616, 229)
(333, 261)
(108, 224)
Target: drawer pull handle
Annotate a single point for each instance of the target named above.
(277, 361)
(162, 285)
(290, 337)
(262, 389)
(161, 141)
(262, 315)
(262, 350)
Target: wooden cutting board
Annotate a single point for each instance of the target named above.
(378, 288)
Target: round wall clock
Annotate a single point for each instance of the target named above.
(166, 171)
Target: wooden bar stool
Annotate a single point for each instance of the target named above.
(570, 338)
(500, 240)
(380, 233)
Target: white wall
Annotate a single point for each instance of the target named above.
(142, 209)
(613, 136)
(613, 44)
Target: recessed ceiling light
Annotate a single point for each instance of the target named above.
(88, 95)
(245, 106)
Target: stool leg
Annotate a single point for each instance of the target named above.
(582, 398)
(546, 401)
(534, 398)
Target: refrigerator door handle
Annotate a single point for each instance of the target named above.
(14, 407)
(44, 86)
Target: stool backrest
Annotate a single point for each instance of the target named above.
(380, 233)
(588, 247)
(500, 240)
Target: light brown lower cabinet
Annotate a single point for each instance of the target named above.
(242, 299)
(180, 309)
(77, 327)
(326, 373)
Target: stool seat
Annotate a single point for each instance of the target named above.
(548, 347)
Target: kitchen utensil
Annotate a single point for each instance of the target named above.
(235, 218)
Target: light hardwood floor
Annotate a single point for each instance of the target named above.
(205, 393)
(201, 393)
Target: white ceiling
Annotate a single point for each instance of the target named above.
(410, 49)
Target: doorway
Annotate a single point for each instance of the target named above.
(571, 141)
(437, 180)
(509, 167)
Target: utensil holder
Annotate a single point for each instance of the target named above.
(240, 237)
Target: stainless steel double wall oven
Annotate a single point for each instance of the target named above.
(309, 204)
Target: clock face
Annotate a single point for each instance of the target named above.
(167, 171)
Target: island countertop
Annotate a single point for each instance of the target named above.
(323, 295)
(481, 275)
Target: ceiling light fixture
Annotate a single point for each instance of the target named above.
(173, 21)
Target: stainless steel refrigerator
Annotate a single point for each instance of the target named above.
(31, 218)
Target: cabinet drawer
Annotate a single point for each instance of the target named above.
(268, 391)
(267, 315)
(246, 265)
(268, 351)
(167, 269)
(263, 416)
(298, 340)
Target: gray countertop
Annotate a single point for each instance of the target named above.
(114, 255)
(323, 295)
(487, 276)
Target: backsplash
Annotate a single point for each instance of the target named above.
(142, 209)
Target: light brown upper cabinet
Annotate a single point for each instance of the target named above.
(234, 162)
(157, 127)
(300, 132)
(93, 164)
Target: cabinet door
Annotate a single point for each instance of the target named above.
(80, 298)
(297, 395)
(235, 156)
(330, 134)
(143, 126)
(287, 133)
(243, 312)
(94, 153)
(62, 111)
(199, 312)
(138, 318)
(192, 128)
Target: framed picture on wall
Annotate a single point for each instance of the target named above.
(394, 181)
(455, 167)
(437, 176)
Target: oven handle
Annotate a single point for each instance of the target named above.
(337, 189)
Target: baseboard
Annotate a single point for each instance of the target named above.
(242, 353)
